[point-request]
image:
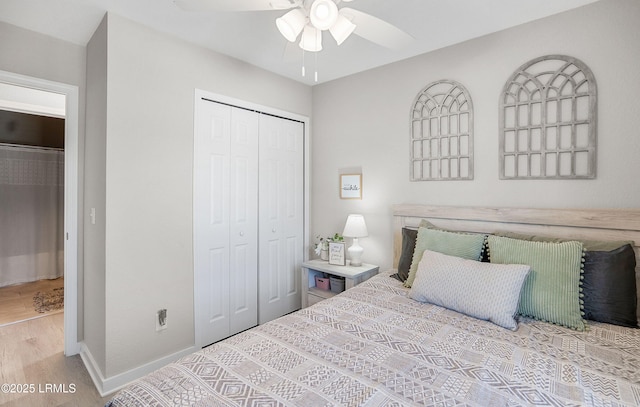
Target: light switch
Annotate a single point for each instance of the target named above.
(92, 215)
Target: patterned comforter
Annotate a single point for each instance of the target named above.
(373, 346)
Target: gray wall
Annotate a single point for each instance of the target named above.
(362, 122)
(28, 53)
(95, 196)
(148, 153)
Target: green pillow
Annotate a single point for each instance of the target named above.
(589, 245)
(609, 278)
(466, 245)
(552, 289)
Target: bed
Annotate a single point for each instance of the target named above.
(374, 345)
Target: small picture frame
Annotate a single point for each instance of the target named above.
(336, 254)
(351, 186)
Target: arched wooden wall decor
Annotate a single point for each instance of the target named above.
(548, 121)
(442, 133)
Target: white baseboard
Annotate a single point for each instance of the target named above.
(106, 386)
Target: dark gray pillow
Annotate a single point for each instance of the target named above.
(609, 284)
(409, 237)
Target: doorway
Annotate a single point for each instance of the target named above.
(71, 159)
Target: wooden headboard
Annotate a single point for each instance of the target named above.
(583, 224)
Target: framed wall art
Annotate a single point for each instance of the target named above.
(548, 120)
(351, 186)
(442, 133)
(336, 253)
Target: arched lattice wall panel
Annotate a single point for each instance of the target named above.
(548, 120)
(442, 133)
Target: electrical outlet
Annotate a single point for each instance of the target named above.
(161, 319)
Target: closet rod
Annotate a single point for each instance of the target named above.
(252, 110)
(28, 147)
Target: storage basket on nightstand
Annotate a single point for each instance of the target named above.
(336, 284)
(322, 283)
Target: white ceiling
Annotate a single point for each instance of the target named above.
(253, 37)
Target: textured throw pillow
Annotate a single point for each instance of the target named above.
(486, 291)
(485, 253)
(466, 245)
(551, 291)
(609, 284)
(408, 245)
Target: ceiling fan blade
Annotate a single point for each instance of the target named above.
(376, 30)
(235, 5)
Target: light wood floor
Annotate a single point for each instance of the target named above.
(16, 301)
(31, 352)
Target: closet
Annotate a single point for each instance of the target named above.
(248, 217)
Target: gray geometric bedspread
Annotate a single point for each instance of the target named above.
(373, 346)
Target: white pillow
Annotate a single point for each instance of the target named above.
(486, 291)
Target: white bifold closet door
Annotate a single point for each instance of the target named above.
(248, 218)
(225, 220)
(281, 216)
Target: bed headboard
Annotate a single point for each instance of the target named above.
(585, 224)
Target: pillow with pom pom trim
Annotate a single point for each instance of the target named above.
(552, 290)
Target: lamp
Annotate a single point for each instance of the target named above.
(341, 29)
(355, 228)
(291, 24)
(323, 14)
(320, 16)
(311, 39)
(310, 19)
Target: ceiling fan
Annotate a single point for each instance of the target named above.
(308, 18)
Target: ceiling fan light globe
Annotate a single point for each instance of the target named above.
(342, 29)
(323, 14)
(291, 24)
(311, 39)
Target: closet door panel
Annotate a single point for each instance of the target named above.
(293, 260)
(269, 231)
(281, 216)
(241, 301)
(269, 272)
(211, 220)
(243, 228)
(217, 279)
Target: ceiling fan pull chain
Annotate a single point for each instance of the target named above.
(316, 66)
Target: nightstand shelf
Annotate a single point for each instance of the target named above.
(352, 277)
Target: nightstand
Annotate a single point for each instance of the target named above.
(312, 268)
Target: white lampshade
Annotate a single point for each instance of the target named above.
(323, 14)
(291, 24)
(342, 29)
(355, 227)
(311, 39)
